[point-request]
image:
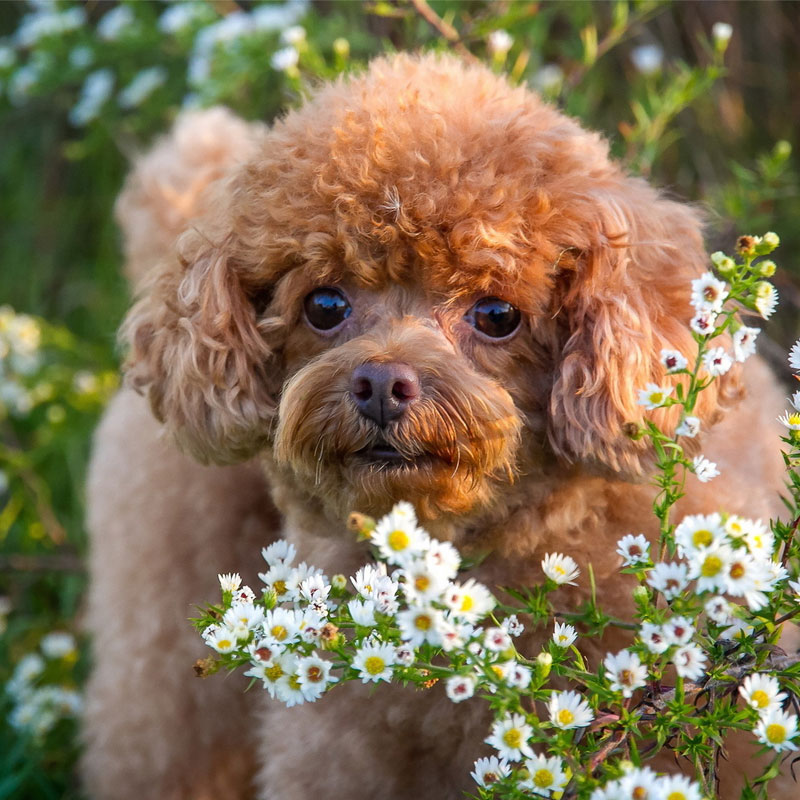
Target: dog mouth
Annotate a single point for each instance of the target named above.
(387, 457)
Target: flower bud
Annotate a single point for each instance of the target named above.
(722, 32)
(746, 245)
(338, 583)
(767, 268)
(341, 47)
(641, 595)
(543, 663)
(725, 266)
(769, 241)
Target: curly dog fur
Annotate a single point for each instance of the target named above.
(415, 190)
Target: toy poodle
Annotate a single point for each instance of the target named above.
(423, 284)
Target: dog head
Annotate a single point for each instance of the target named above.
(425, 285)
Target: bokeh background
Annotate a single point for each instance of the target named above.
(700, 97)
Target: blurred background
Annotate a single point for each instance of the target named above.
(700, 97)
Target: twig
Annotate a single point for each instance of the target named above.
(64, 562)
(444, 29)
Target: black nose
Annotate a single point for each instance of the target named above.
(383, 392)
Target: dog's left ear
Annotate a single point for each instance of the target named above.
(625, 299)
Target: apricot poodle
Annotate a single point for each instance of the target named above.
(423, 284)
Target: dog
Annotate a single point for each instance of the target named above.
(424, 284)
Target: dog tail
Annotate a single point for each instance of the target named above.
(167, 186)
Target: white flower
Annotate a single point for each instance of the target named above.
(398, 538)
(569, 710)
(762, 692)
(709, 566)
(362, 612)
(795, 401)
(668, 578)
(518, 675)
(790, 420)
(722, 32)
(443, 558)
(496, 640)
(314, 676)
(144, 83)
(513, 625)
(420, 624)
(223, 640)
(794, 356)
(422, 582)
(704, 469)
(679, 787)
(315, 590)
(293, 35)
(678, 630)
(564, 635)
(759, 540)
(673, 360)
(708, 293)
(284, 59)
(653, 637)
(776, 730)
(719, 610)
(696, 531)
(640, 783)
(372, 583)
(460, 687)
(470, 601)
(546, 775)
(625, 672)
(114, 23)
(180, 16)
(58, 644)
(80, 57)
(654, 396)
(281, 625)
(279, 552)
(647, 58)
(560, 569)
(744, 343)
(548, 78)
(499, 42)
(633, 549)
(689, 427)
(247, 615)
(717, 362)
(374, 662)
(689, 661)
(743, 574)
(404, 654)
(230, 581)
(94, 93)
(510, 737)
(703, 322)
(766, 299)
(487, 771)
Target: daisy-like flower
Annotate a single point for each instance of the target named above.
(230, 582)
(633, 549)
(765, 299)
(421, 582)
(758, 538)
(443, 558)
(678, 630)
(314, 676)
(653, 637)
(791, 420)
(719, 610)
(510, 737)
(372, 583)
(373, 661)
(708, 293)
(626, 672)
(679, 787)
(654, 396)
(460, 687)
(564, 635)
(487, 771)
(280, 552)
(277, 578)
(794, 356)
(762, 692)
(709, 567)
(223, 640)
(673, 360)
(513, 625)
(669, 578)
(496, 640)
(689, 427)
(362, 612)
(246, 615)
(704, 469)
(560, 569)
(315, 590)
(404, 655)
(743, 573)
(470, 601)
(273, 672)
(717, 362)
(420, 624)
(776, 729)
(398, 538)
(744, 343)
(569, 710)
(640, 783)
(795, 401)
(281, 625)
(546, 775)
(703, 322)
(689, 661)
(697, 531)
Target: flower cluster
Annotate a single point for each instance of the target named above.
(41, 689)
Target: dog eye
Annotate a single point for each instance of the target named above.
(326, 308)
(494, 317)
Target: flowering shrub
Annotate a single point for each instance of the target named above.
(710, 601)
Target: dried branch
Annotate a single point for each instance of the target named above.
(444, 29)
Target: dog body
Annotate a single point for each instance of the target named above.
(422, 285)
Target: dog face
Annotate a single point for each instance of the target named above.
(426, 285)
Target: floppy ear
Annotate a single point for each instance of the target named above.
(625, 299)
(201, 353)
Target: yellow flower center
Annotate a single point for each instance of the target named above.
(513, 737)
(279, 632)
(565, 716)
(702, 538)
(656, 397)
(559, 570)
(543, 778)
(224, 643)
(737, 570)
(279, 587)
(398, 540)
(711, 566)
(794, 419)
(676, 796)
(274, 672)
(639, 793)
(374, 665)
(776, 733)
(760, 698)
(294, 682)
(422, 582)
(467, 603)
(422, 622)
(497, 671)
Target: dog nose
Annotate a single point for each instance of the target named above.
(383, 392)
